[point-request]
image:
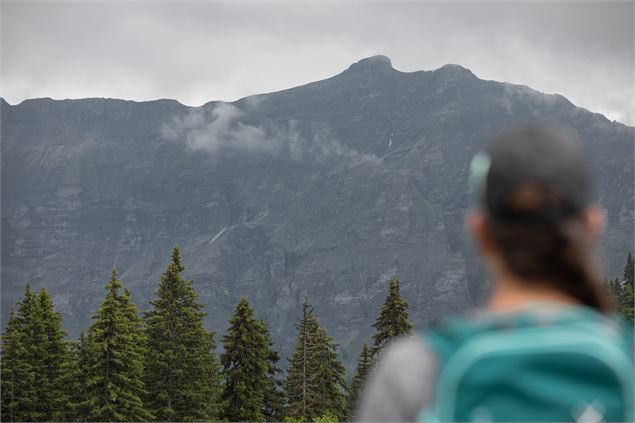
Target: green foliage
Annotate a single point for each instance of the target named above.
(245, 366)
(274, 399)
(18, 375)
(622, 291)
(182, 371)
(315, 382)
(614, 290)
(626, 300)
(393, 318)
(114, 351)
(77, 379)
(364, 364)
(120, 372)
(326, 418)
(629, 270)
(34, 359)
(54, 359)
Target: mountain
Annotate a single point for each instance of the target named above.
(323, 190)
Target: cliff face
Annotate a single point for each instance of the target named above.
(324, 190)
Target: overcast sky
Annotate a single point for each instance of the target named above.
(197, 51)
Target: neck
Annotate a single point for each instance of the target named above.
(511, 294)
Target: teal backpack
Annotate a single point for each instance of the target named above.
(563, 364)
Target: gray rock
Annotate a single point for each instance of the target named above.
(324, 190)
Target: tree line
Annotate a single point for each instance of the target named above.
(162, 365)
(622, 289)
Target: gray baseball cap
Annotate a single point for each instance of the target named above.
(534, 173)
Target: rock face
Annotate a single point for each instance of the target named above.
(324, 190)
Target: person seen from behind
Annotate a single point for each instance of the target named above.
(547, 345)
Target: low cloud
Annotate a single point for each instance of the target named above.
(225, 129)
(217, 130)
(198, 51)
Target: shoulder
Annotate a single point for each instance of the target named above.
(404, 355)
(402, 382)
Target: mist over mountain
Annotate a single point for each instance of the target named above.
(324, 190)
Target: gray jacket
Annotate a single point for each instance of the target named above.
(401, 385)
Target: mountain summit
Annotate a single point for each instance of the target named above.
(379, 63)
(324, 190)
(455, 70)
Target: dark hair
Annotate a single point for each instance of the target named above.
(537, 189)
(554, 253)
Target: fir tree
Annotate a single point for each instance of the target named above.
(629, 270)
(54, 358)
(273, 409)
(332, 398)
(364, 364)
(315, 382)
(36, 350)
(77, 379)
(29, 325)
(301, 377)
(18, 376)
(114, 349)
(181, 368)
(627, 289)
(614, 290)
(393, 318)
(245, 366)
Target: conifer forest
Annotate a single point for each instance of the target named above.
(164, 365)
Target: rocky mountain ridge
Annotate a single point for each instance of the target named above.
(323, 190)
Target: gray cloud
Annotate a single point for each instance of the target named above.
(218, 130)
(201, 51)
(222, 129)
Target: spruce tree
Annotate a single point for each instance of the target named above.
(627, 289)
(115, 350)
(181, 373)
(30, 326)
(315, 384)
(301, 382)
(629, 270)
(333, 387)
(17, 375)
(364, 364)
(54, 359)
(614, 291)
(393, 318)
(36, 350)
(245, 366)
(273, 409)
(77, 379)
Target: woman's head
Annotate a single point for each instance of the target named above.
(535, 224)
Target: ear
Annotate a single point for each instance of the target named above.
(595, 217)
(476, 225)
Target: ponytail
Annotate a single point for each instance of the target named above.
(554, 253)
